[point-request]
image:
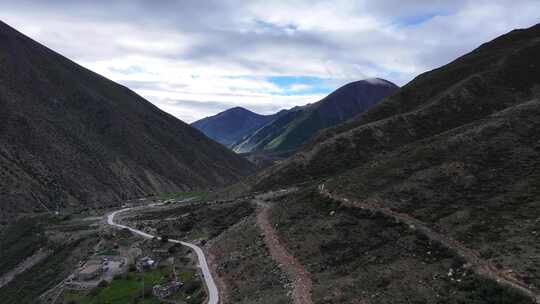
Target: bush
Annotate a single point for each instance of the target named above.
(173, 249)
(192, 286)
(102, 284)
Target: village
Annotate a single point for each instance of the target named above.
(125, 268)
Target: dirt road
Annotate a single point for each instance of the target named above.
(301, 279)
(480, 266)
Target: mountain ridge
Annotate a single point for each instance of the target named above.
(462, 91)
(231, 125)
(70, 136)
(453, 157)
(289, 131)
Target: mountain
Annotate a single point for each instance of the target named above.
(444, 173)
(430, 196)
(231, 125)
(496, 76)
(69, 136)
(289, 131)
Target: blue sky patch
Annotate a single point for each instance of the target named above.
(298, 85)
(275, 28)
(417, 19)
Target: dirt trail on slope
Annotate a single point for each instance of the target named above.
(221, 282)
(301, 279)
(480, 266)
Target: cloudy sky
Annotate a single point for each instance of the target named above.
(196, 58)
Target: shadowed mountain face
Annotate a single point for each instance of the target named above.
(69, 136)
(290, 130)
(497, 76)
(232, 125)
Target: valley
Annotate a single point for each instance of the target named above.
(271, 216)
(357, 192)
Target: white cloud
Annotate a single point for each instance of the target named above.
(195, 58)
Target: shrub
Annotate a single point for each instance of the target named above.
(102, 284)
(192, 286)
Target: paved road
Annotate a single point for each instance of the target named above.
(213, 295)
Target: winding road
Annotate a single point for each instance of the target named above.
(482, 267)
(213, 294)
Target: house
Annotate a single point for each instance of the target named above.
(166, 290)
(91, 270)
(146, 263)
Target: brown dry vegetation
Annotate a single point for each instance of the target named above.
(356, 255)
(479, 185)
(242, 260)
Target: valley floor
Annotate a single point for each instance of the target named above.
(300, 246)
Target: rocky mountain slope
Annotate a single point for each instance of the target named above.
(69, 136)
(289, 131)
(453, 157)
(232, 125)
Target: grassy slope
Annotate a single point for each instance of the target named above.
(479, 184)
(358, 257)
(244, 262)
(197, 221)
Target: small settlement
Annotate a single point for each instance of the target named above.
(123, 259)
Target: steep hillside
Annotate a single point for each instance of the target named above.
(454, 157)
(290, 131)
(479, 184)
(69, 136)
(496, 76)
(256, 141)
(232, 125)
(358, 256)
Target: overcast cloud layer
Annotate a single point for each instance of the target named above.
(196, 58)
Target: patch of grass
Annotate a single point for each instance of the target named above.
(130, 289)
(122, 290)
(186, 276)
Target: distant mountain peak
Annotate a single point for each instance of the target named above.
(238, 109)
(231, 125)
(378, 81)
(299, 124)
